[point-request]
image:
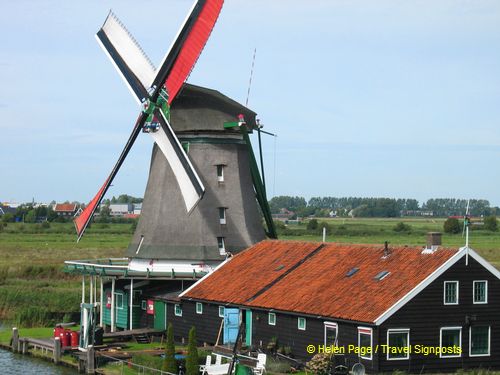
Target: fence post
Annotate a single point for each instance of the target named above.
(57, 350)
(90, 360)
(15, 339)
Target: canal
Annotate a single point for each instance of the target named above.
(11, 364)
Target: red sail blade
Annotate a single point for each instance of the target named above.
(193, 46)
(82, 221)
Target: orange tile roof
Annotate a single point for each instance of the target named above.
(308, 278)
(65, 207)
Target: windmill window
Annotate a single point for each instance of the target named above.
(222, 245)
(480, 291)
(301, 324)
(199, 308)
(352, 271)
(185, 146)
(221, 311)
(381, 275)
(222, 215)
(479, 341)
(220, 173)
(451, 339)
(450, 293)
(271, 319)
(178, 310)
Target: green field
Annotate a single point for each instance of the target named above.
(35, 291)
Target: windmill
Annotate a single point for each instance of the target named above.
(173, 177)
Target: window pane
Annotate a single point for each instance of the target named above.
(221, 311)
(331, 335)
(398, 340)
(479, 291)
(302, 323)
(450, 338)
(479, 340)
(450, 292)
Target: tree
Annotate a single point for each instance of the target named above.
(490, 223)
(451, 225)
(401, 227)
(8, 218)
(192, 366)
(312, 224)
(169, 363)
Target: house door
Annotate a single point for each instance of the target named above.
(248, 327)
(231, 325)
(160, 315)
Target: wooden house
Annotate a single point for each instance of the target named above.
(394, 308)
(67, 210)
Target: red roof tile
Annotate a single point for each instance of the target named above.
(315, 282)
(65, 207)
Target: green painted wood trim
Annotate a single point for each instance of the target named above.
(214, 141)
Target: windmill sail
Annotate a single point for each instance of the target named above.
(137, 72)
(127, 56)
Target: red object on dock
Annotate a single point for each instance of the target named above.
(58, 330)
(64, 337)
(75, 338)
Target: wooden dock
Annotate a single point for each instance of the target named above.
(134, 333)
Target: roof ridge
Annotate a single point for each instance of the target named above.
(287, 272)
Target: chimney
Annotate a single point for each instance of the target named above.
(387, 252)
(433, 242)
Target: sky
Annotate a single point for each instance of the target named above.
(384, 98)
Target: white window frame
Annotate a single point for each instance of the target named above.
(116, 300)
(470, 344)
(144, 304)
(220, 178)
(269, 320)
(222, 218)
(222, 250)
(221, 308)
(327, 325)
(457, 292)
(441, 341)
(371, 341)
(399, 330)
(175, 309)
(298, 323)
(199, 308)
(485, 292)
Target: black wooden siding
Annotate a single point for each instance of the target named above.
(207, 324)
(425, 314)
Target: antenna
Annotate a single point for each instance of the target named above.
(466, 232)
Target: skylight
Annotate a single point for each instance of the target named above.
(381, 275)
(352, 271)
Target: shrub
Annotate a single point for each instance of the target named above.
(312, 224)
(451, 225)
(319, 364)
(169, 363)
(279, 225)
(192, 356)
(402, 227)
(490, 223)
(33, 316)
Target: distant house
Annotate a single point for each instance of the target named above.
(284, 215)
(4, 209)
(137, 208)
(66, 209)
(121, 209)
(412, 309)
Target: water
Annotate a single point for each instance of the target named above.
(15, 364)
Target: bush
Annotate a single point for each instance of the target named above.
(192, 366)
(452, 225)
(490, 223)
(319, 364)
(279, 225)
(45, 225)
(169, 363)
(402, 227)
(312, 224)
(324, 224)
(33, 316)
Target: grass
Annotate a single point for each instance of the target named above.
(34, 290)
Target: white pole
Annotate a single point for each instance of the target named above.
(91, 289)
(101, 313)
(324, 234)
(112, 305)
(131, 301)
(83, 288)
(95, 289)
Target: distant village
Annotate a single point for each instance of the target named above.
(285, 209)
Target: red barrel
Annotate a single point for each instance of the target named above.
(58, 330)
(75, 336)
(64, 337)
